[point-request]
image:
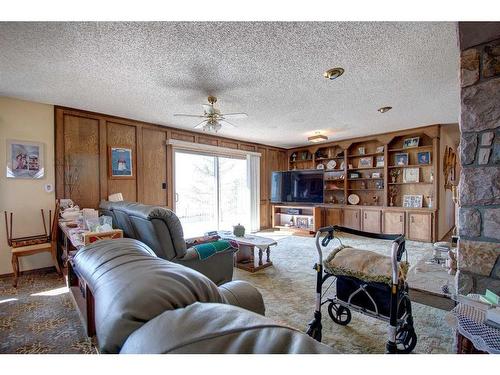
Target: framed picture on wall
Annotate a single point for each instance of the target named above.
(121, 162)
(25, 159)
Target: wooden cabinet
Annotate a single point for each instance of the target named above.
(332, 216)
(420, 226)
(371, 221)
(154, 167)
(352, 218)
(394, 222)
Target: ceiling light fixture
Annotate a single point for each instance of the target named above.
(333, 73)
(317, 138)
(384, 109)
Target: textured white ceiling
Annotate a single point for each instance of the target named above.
(272, 71)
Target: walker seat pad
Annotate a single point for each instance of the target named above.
(366, 265)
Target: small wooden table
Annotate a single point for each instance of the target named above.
(245, 258)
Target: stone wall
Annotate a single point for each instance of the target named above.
(479, 190)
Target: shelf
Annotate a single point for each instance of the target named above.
(335, 157)
(300, 161)
(410, 183)
(410, 166)
(366, 189)
(410, 148)
(294, 227)
(363, 169)
(334, 189)
(370, 154)
(364, 178)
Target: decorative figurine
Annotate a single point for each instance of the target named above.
(394, 174)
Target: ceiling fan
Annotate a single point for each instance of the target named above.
(213, 119)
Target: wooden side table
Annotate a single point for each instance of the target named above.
(245, 258)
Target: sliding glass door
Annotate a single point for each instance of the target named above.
(211, 192)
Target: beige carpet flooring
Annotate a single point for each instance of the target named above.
(288, 289)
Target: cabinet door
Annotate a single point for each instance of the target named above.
(332, 216)
(371, 221)
(352, 218)
(394, 222)
(420, 226)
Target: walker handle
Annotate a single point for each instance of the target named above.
(328, 237)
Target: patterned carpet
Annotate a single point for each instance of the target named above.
(288, 289)
(39, 316)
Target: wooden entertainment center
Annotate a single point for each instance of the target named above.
(366, 181)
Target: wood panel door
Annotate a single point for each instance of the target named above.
(419, 226)
(371, 221)
(394, 222)
(80, 164)
(154, 167)
(332, 216)
(120, 135)
(352, 218)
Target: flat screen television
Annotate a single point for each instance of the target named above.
(297, 187)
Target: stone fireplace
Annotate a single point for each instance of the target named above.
(479, 188)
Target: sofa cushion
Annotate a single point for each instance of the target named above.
(140, 286)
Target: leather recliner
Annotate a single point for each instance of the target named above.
(161, 230)
(145, 304)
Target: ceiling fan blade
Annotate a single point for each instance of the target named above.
(225, 122)
(185, 115)
(234, 115)
(200, 125)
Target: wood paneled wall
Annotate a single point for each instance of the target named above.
(82, 141)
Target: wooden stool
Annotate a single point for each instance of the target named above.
(25, 246)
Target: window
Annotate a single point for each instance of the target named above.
(211, 192)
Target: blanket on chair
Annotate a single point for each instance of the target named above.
(206, 250)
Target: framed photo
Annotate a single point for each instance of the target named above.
(412, 201)
(411, 142)
(424, 157)
(121, 163)
(361, 151)
(354, 175)
(376, 175)
(380, 149)
(25, 159)
(302, 222)
(411, 175)
(366, 162)
(401, 159)
(379, 161)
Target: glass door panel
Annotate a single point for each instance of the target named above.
(196, 192)
(234, 193)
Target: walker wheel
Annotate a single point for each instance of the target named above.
(406, 339)
(339, 314)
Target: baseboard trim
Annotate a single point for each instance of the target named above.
(30, 272)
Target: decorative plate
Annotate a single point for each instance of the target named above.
(342, 165)
(331, 164)
(320, 166)
(353, 199)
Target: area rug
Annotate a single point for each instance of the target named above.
(39, 317)
(288, 288)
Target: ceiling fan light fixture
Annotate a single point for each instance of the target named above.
(384, 109)
(333, 73)
(317, 138)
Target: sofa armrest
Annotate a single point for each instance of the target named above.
(194, 253)
(218, 267)
(242, 294)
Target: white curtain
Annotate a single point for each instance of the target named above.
(253, 178)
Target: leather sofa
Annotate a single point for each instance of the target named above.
(161, 230)
(145, 304)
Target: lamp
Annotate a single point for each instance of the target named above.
(317, 138)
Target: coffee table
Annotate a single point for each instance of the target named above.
(245, 258)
